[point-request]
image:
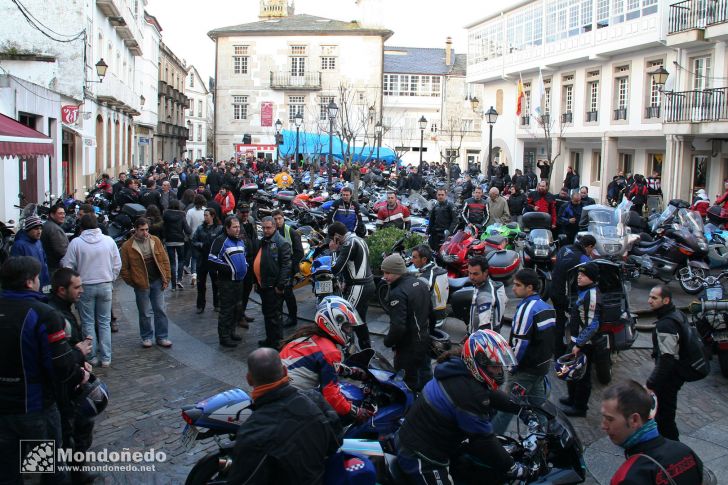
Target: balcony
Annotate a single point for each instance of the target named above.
(127, 28)
(525, 120)
(567, 118)
(592, 116)
(620, 114)
(696, 106)
(114, 93)
(652, 112)
(110, 8)
(286, 80)
(691, 22)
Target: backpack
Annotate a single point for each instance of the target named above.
(692, 365)
(532, 181)
(439, 288)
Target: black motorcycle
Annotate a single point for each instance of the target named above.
(710, 316)
(538, 247)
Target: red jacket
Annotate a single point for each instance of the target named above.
(543, 203)
(227, 203)
(723, 200)
(398, 217)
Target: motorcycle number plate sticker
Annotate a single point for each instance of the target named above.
(189, 434)
(324, 287)
(714, 293)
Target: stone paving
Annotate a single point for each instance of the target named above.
(149, 386)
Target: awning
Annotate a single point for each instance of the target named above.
(317, 145)
(17, 140)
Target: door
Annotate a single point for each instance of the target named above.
(298, 66)
(28, 186)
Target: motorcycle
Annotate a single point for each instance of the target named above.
(710, 316)
(538, 247)
(8, 236)
(682, 251)
(323, 281)
(509, 231)
(606, 224)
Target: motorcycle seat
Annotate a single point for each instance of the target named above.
(495, 240)
(457, 283)
(640, 251)
(648, 244)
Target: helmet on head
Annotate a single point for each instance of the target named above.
(335, 315)
(93, 397)
(570, 367)
(487, 355)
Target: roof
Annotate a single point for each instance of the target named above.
(16, 140)
(498, 13)
(299, 24)
(421, 60)
(152, 20)
(197, 74)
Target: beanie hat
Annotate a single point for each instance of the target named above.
(394, 264)
(31, 222)
(591, 270)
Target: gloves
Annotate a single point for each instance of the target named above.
(519, 471)
(351, 372)
(360, 413)
(528, 416)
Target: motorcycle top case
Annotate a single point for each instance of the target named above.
(286, 196)
(133, 210)
(248, 189)
(536, 220)
(502, 265)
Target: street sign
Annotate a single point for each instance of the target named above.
(143, 140)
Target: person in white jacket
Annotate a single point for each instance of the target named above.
(97, 260)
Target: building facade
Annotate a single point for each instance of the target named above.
(429, 83)
(172, 132)
(288, 64)
(600, 107)
(147, 74)
(198, 117)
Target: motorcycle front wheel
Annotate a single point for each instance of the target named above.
(208, 469)
(688, 282)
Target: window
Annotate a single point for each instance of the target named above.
(602, 13)
(701, 73)
(328, 63)
(295, 106)
(192, 80)
(621, 88)
(568, 98)
(655, 162)
(593, 96)
(487, 42)
(199, 132)
(240, 59)
(576, 161)
(240, 107)
(298, 50)
(547, 100)
(625, 162)
(411, 85)
(567, 18)
(323, 107)
(596, 166)
(199, 108)
(617, 11)
(451, 155)
(653, 91)
(298, 66)
(524, 29)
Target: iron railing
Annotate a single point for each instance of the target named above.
(620, 114)
(592, 116)
(652, 112)
(525, 120)
(696, 105)
(567, 117)
(696, 14)
(288, 80)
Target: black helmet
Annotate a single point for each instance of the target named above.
(570, 367)
(93, 397)
(716, 215)
(439, 343)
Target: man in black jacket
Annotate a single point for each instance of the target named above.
(129, 194)
(443, 217)
(53, 237)
(293, 238)
(665, 380)
(150, 195)
(272, 267)
(290, 433)
(626, 420)
(409, 332)
(475, 210)
(35, 361)
(249, 235)
(348, 212)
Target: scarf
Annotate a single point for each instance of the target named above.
(259, 391)
(647, 432)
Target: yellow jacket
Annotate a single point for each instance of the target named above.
(283, 180)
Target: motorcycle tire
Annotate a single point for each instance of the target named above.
(206, 470)
(545, 288)
(604, 370)
(723, 362)
(696, 287)
(383, 296)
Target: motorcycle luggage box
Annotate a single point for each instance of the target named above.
(286, 196)
(503, 264)
(248, 189)
(133, 210)
(680, 204)
(536, 220)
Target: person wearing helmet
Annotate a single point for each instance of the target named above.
(586, 315)
(457, 405)
(489, 297)
(314, 359)
(627, 418)
(701, 203)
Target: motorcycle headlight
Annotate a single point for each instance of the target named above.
(448, 258)
(612, 248)
(703, 245)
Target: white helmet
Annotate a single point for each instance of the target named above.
(336, 317)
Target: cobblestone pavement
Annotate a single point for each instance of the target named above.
(149, 386)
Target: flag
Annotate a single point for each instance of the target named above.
(537, 95)
(519, 98)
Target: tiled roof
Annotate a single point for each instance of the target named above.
(299, 24)
(421, 60)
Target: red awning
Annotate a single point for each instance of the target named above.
(17, 140)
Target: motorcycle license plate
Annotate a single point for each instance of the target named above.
(541, 252)
(324, 287)
(714, 293)
(721, 336)
(189, 434)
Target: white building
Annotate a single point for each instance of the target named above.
(147, 82)
(287, 64)
(602, 104)
(198, 116)
(430, 83)
(91, 123)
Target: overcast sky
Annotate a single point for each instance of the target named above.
(416, 23)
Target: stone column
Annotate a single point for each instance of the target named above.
(558, 168)
(677, 168)
(610, 163)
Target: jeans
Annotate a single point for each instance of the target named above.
(95, 307)
(203, 272)
(535, 387)
(176, 264)
(43, 425)
(150, 302)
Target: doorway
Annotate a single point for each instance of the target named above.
(28, 185)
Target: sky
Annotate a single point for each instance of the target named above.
(416, 23)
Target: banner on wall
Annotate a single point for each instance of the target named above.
(266, 113)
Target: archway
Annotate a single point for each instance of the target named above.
(99, 142)
(109, 139)
(128, 146)
(117, 161)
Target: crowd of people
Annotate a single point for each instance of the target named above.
(194, 225)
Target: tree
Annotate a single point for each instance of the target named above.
(450, 141)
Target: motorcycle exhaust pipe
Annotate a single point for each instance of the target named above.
(697, 307)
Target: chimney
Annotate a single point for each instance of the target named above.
(448, 51)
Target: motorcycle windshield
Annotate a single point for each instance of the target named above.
(691, 221)
(540, 237)
(605, 231)
(606, 217)
(666, 215)
(417, 202)
(453, 243)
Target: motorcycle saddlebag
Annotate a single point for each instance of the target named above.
(133, 210)
(502, 265)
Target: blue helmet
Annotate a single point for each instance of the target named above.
(570, 367)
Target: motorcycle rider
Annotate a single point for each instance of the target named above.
(540, 200)
(586, 315)
(455, 405)
(437, 282)
(314, 359)
(393, 214)
(475, 210)
(570, 215)
(293, 238)
(348, 212)
(443, 217)
(566, 258)
(352, 263)
(489, 298)
(626, 419)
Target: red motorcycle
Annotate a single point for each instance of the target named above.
(464, 244)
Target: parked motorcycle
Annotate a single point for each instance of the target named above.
(538, 247)
(509, 231)
(710, 316)
(607, 226)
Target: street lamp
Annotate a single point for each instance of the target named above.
(659, 77)
(372, 112)
(101, 68)
(298, 121)
(423, 125)
(279, 126)
(378, 129)
(332, 110)
(491, 116)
